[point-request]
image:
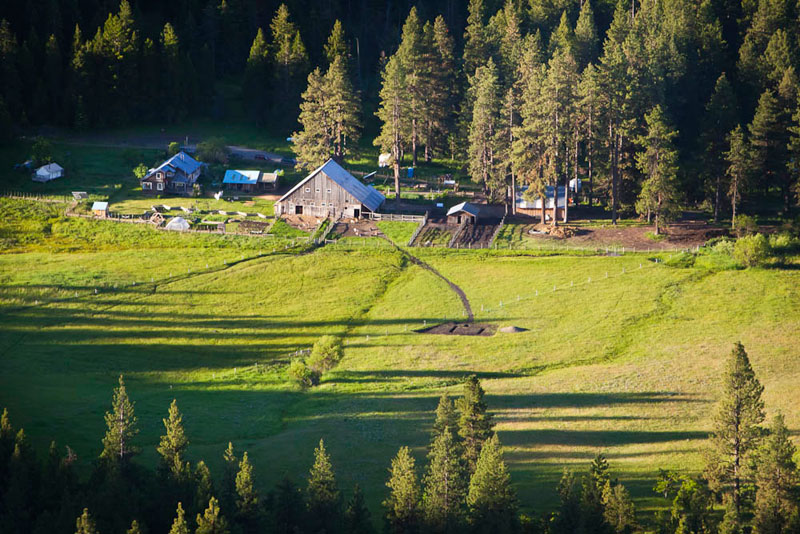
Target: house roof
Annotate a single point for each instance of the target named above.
(367, 195)
(268, 177)
(99, 206)
(179, 162)
(523, 203)
(241, 177)
(50, 168)
(466, 207)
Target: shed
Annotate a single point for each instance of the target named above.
(533, 206)
(466, 212)
(177, 223)
(330, 191)
(100, 209)
(48, 172)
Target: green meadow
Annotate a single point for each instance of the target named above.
(619, 355)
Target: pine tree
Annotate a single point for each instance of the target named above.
(412, 54)
(247, 499)
(179, 525)
(211, 522)
(446, 417)
(392, 112)
(204, 486)
(172, 89)
(229, 471)
(313, 144)
(173, 444)
(619, 512)
(344, 109)
(483, 128)
(768, 137)
(290, 58)
(440, 87)
(586, 40)
(738, 159)
(444, 484)
(720, 118)
(356, 514)
(736, 431)
(491, 499)
(288, 511)
(474, 423)
(777, 482)
(337, 44)
(322, 495)
(476, 42)
(135, 528)
(563, 39)
(588, 119)
(592, 503)
(85, 523)
(567, 518)
(402, 505)
(121, 426)
(256, 78)
(658, 161)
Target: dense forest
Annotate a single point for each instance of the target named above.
(656, 104)
(464, 486)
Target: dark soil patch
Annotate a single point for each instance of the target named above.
(459, 329)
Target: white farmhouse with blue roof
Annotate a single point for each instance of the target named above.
(175, 176)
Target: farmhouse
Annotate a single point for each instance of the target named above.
(48, 172)
(250, 181)
(176, 176)
(330, 191)
(526, 206)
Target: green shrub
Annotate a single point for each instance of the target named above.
(745, 225)
(723, 246)
(751, 250)
(325, 354)
(173, 148)
(302, 375)
(682, 260)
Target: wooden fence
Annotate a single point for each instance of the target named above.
(422, 224)
(22, 195)
(399, 217)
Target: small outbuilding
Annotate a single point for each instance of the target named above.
(100, 209)
(250, 180)
(533, 206)
(464, 213)
(48, 172)
(177, 223)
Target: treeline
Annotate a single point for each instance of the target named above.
(678, 102)
(464, 485)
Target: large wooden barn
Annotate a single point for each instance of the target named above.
(330, 191)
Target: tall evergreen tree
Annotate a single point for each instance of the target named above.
(736, 431)
(121, 428)
(247, 499)
(483, 128)
(476, 41)
(287, 510)
(619, 513)
(592, 503)
(769, 139)
(290, 59)
(337, 44)
(257, 78)
(440, 88)
(586, 41)
(402, 505)
(658, 161)
(777, 482)
(412, 54)
(392, 112)
(173, 444)
(738, 159)
(179, 525)
(474, 422)
(720, 118)
(491, 499)
(446, 417)
(211, 522)
(356, 514)
(173, 100)
(444, 485)
(322, 495)
(567, 519)
(229, 471)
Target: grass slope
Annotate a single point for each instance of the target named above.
(626, 364)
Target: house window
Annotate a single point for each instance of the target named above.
(160, 186)
(147, 185)
(160, 174)
(308, 189)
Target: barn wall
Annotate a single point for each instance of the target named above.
(322, 197)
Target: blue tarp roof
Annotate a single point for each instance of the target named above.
(241, 177)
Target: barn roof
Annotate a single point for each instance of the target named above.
(50, 168)
(241, 177)
(466, 207)
(367, 195)
(524, 203)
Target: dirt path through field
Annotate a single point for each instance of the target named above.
(457, 290)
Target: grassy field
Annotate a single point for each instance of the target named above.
(622, 357)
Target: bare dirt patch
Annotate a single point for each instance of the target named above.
(302, 222)
(357, 228)
(459, 329)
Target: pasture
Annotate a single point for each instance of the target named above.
(620, 354)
